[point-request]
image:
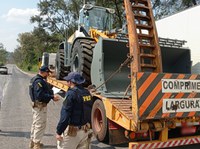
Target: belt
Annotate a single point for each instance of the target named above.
(81, 127)
(84, 127)
(78, 127)
(39, 104)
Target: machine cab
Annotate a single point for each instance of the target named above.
(96, 17)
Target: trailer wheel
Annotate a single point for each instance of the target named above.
(99, 121)
(81, 55)
(61, 69)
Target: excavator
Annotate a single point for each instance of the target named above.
(142, 86)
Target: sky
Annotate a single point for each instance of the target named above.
(15, 19)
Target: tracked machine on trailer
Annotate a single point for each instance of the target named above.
(144, 92)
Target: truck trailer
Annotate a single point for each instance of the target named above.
(143, 91)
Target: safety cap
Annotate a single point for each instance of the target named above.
(45, 69)
(75, 77)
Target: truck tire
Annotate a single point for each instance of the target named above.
(99, 121)
(82, 53)
(61, 69)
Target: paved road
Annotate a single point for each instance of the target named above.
(16, 116)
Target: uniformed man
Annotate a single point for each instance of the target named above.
(75, 114)
(40, 93)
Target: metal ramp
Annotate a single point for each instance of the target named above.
(143, 38)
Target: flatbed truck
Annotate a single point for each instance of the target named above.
(143, 95)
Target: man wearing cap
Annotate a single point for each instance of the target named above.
(40, 93)
(75, 114)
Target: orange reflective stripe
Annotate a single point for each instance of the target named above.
(150, 98)
(179, 114)
(139, 75)
(145, 85)
(159, 105)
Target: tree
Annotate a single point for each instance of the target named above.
(33, 44)
(17, 56)
(3, 54)
(57, 16)
(189, 3)
(163, 8)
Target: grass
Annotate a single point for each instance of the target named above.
(31, 69)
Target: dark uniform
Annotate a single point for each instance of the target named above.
(73, 111)
(40, 93)
(75, 118)
(41, 90)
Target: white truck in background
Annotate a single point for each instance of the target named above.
(48, 59)
(184, 25)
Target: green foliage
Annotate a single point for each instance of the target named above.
(32, 45)
(58, 16)
(163, 8)
(3, 55)
(33, 68)
(58, 19)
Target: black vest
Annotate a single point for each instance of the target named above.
(81, 113)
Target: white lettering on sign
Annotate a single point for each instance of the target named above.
(180, 85)
(181, 105)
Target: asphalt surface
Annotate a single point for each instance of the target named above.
(16, 115)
